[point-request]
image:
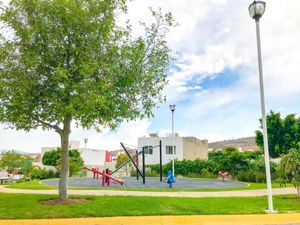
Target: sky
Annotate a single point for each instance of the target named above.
(214, 79)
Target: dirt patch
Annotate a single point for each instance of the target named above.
(64, 202)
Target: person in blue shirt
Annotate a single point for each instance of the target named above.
(170, 179)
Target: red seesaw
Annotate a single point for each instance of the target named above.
(105, 176)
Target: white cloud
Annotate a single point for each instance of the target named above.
(128, 133)
(225, 39)
(27, 141)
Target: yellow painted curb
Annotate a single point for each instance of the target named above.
(168, 220)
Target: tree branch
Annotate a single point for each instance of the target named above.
(55, 127)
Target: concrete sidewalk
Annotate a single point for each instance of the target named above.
(241, 193)
(286, 219)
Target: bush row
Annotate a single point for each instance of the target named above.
(190, 168)
(243, 166)
(42, 173)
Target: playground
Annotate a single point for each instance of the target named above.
(151, 182)
(106, 178)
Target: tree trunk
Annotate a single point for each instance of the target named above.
(64, 173)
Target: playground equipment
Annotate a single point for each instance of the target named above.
(134, 157)
(135, 161)
(223, 175)
(106, 176)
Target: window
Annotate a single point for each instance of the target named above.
(148, 149)
(169, 150)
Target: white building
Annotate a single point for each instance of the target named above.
(92, 157)
(185, 148)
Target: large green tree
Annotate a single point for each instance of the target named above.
(69, 60)
(283, 133)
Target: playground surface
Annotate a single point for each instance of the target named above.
(151, 182)
(279, 219)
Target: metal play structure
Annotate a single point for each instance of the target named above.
(134, 159)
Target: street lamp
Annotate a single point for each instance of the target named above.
(172, 107)
(85, 141)
(256, 10)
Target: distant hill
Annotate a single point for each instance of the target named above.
(245, 144)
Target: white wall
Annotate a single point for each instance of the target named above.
(153, 141)
(74, 144)
(92, 157)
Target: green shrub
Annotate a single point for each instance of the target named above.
(205, 173)
(243, 166)
(260, 177)
(245, 176)
(257, 172)
(259, 166)
(251, 176)
(81, 173)
(231, 160)
(190, 168)
(41, 173)
(194, 175)
(149, 172)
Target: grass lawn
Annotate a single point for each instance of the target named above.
(36, 185)
(31, 185)
(28, 206)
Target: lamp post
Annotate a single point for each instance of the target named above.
(85, 141)
(256, 10)
(172, 108)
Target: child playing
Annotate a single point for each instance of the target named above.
(170, 179)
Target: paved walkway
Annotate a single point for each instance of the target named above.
(282, 219)
(241, 193)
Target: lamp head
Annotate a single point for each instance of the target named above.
(257, 9)
(172, 107)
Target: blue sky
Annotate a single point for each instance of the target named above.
(214, 80)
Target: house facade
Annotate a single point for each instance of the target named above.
(91, 157)
(184, 148)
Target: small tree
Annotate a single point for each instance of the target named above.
(69, 60)
(52, 158)
(76, 162)
(290, 164)
(12, 159)
(122, 158)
